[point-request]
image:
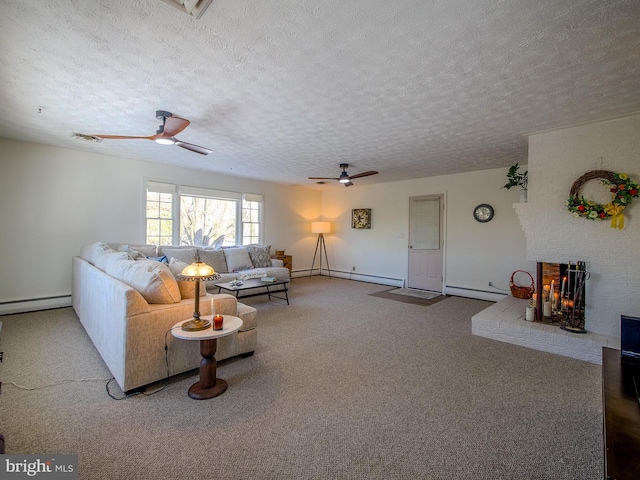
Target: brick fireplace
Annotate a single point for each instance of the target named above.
(560, 329)
(556, 159)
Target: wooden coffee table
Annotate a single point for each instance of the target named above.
(209, 386)
(256, 283)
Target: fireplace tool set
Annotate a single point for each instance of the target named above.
(573, 298)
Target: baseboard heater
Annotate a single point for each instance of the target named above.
(34, 304)
(363, 277)
(474, 293)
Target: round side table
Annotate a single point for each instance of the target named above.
(209, 386)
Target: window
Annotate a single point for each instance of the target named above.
(251, 218)
(181, 215)
(159, 216)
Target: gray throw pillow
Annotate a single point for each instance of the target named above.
(260, 255)
(214, 258)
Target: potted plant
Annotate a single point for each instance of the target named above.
(517, 179)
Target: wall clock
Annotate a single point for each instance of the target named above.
(483, 213)
(361, 218)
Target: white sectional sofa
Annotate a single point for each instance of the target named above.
(231, 263)
(128, 307)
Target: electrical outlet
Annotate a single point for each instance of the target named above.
(491, 284)
(353, 269)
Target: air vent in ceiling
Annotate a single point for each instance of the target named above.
(195, 8)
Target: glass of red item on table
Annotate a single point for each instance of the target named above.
(217, 322)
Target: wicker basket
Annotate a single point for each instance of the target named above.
(519, 291)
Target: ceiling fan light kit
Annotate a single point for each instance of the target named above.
(344, 177)
(165, 135)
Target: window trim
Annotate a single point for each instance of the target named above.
(178, 190)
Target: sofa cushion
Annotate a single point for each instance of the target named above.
(248, 315)
(92, 251)
(187, 289)
(237, 259)
(214, 258)
(260, 255)
(152, 279)
(185, 254)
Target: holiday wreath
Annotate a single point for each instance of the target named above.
(622, 188)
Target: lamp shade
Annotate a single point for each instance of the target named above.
(197, 271)
(320, 227)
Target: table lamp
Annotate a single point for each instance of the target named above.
(197, 272)
(320, 228)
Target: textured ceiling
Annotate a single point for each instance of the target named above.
(282, 90)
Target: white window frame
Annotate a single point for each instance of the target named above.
(256, 198)
(179, 190)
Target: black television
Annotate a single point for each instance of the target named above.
(630, 337)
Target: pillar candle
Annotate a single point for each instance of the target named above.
(530, 314)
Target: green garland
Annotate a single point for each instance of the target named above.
(623, 191)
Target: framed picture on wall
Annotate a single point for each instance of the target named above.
(361, 218)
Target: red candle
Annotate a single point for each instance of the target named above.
(217, 322)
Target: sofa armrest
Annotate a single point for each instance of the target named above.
(276, 262)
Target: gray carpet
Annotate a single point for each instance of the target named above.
(343, 385)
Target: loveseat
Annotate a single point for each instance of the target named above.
(128, 306)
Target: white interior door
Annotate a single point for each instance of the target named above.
(425, 243)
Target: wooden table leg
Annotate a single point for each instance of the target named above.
(209, 386)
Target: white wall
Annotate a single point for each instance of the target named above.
(476, 253)
(55, 200)
(556, 160)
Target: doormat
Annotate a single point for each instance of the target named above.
(414, 293)
(418, 297)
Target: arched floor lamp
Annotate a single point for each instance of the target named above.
(320, 228)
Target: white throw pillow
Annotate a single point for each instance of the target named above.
(92, 251)
(253, 273)
(237, 259)
(153, 280)
(106, 258)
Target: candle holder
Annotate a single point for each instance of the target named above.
(217, 322)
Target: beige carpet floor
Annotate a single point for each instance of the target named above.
(343, 385)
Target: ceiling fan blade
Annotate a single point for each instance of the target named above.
(124, 137)
(363, 174)
(348, 184)
(323, 178)
(193, 148)
(174, 125)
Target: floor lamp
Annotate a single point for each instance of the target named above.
(320, 228)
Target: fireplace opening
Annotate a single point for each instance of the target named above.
(560, 295)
